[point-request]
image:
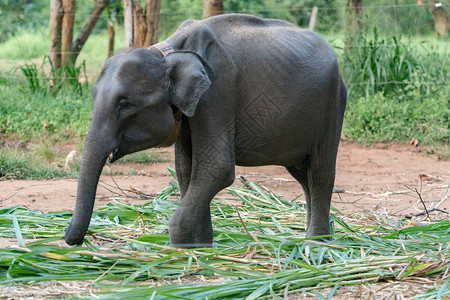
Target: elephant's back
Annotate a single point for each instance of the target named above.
(253, 36)
(273, 50)
(277, 79)
(256, 46)
(287, 85)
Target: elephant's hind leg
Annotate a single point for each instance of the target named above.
(301, 175)
(321, 174)
(317, 180)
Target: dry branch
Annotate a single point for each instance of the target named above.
(88, 26)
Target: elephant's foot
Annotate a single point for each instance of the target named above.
(318, 231)
(313, 234)
(191, 228)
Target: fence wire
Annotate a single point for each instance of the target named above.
(342, 8)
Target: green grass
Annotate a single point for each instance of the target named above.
(260, 250)
(26, 44)
(45, 152)
(398, 90)
(34, 115)
(22, 164)
(43, 163)
(389, 65)
(150, 156)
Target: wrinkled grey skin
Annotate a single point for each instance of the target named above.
(252, 92)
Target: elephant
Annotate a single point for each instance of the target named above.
(229, 90)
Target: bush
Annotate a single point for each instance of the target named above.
(33, 114)
(381, 118)
(374, 65)
(26, 44)
(401, 17)
(54, 80)
(397, 91)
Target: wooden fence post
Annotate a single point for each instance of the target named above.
(67, 32)
(312, 21)
(111, 34)
(353, 27)
(152, 8)
(212, 8)
(128, 22)
(56, 17)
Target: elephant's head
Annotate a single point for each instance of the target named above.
(135, 98)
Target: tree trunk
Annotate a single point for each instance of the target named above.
(111, 34)
(212, 8)
(140, 24)
(56, 17)
(312, 21)
(354, 21)
(441, 17)
(152, 9)
(67, 31)
(128, 22)
(87, 28)
(146, 24)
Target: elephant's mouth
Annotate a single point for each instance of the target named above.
(115, 155)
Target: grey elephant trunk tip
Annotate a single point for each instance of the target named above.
(73, 238)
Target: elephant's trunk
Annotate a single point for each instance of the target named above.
(94, 156)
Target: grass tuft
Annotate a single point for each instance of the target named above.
(16, 164)
(56, 79)
(375, 64)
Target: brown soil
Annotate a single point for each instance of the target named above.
(378, 178)
(381, 179)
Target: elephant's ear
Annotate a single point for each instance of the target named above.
(188, 80)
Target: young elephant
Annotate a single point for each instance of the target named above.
(231, 90)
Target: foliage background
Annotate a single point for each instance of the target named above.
(394, 17)
(397, 76)
(396, 73)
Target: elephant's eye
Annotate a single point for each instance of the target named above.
(123, 103)
(123, 108)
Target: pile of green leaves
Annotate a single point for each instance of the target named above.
(260, 250)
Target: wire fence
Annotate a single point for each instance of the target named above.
(411, 17)
(340, 8)
(85, 78)
(196, 10)
(292, 14)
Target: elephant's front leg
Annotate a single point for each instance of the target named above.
(183, 160)
(212, 170)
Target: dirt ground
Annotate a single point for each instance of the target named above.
(381, 179)
(377, 179)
